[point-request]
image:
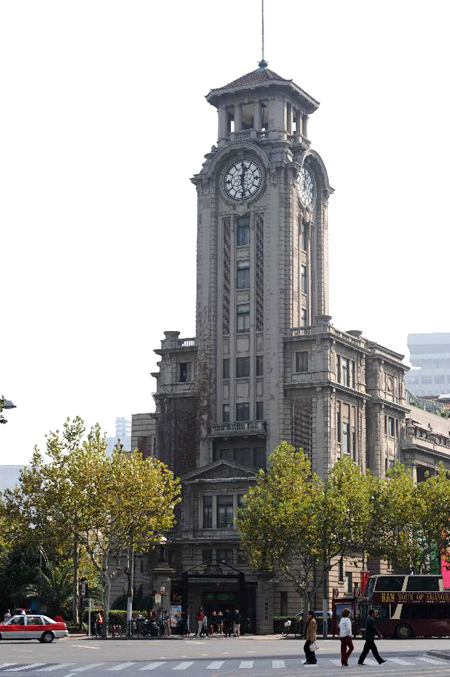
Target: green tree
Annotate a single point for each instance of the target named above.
(295, 521)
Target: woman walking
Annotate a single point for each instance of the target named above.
(310, 636)
(345, 635)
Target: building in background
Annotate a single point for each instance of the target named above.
(429, 355)
(9, 476)
(123, 433)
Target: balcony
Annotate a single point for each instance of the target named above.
(238, 428)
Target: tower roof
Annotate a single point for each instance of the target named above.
(262, 77)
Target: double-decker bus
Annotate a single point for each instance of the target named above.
(408, 606)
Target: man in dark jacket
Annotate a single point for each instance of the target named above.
(370, 632)
(227, 623)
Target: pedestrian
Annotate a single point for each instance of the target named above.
(184, 627)
(370, 631)
(213, 623)
(220, 622)
(199, 619)
(345, 635)
(7, 615)
(205, 632)
(167, 628)
(237, 623)
(99, 624)
(310, 636)
(227, 623)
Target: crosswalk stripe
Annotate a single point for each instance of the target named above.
(433, 661)
(183, 666)
(121, 666)
(52, 668)
(310, 665)
(399, 661)
(246, 665)
(89, 666)
(25, 667)
(152, 666)
(370, 661)
(215, 665)
(278, 664)
(335, 661)
(6, 665)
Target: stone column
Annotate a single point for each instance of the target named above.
(223, 131)
(237, 118)
(257, 117)
(305, 126)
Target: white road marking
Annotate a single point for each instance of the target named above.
(370, 661)
(400, 661)
(121, 666)
(246, 665)
(310, 665)
(278, 664)
(183, 666)
(89, 666)
(25, 667)
(71, 674)
(152, 666)
(433, 661)
(83, 646)
(335, 661)
(51, 668)
(6, 665)
(215, 665)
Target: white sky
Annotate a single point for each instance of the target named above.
(102, 123)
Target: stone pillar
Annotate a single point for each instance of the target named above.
(237, 118)
(264, 603)
(298, 122)
(223, 130)
(257, 117)
(305, 126)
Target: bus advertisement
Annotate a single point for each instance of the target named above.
(408, 606)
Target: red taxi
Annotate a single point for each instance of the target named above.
(32, 626)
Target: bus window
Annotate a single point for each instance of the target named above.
(414, 611)
(383, 611)
(390, 583)
(422, 583)
(439, 611)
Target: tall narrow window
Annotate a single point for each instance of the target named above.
(259, 460)
(346, 437)
(283, 602)
(304, 280)
(243, 274)
(207, 512)
(301, 361)
(224, 511)
(353, 373)
(243, 231)
(304, 237)
(259, 365)
(345, 380)
(243, 317)
(242, 367)
(304, 317)
(185, 372)
(259, 411)
(338, 422)
(226, 413)
(242, 411)
(226, 368)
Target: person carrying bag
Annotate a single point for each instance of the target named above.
(310, 646)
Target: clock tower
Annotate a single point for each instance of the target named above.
(262, 259)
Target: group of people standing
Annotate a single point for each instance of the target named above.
(345, 635)
(218, 623)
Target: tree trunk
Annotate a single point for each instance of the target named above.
(76, 619)
(325, 597)
(130, 578)
(106, 598)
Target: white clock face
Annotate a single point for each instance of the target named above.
(243, 179)
(306, 188)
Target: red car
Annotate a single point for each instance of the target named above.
(32, 626)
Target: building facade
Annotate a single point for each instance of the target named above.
(266, 364)
(430, 359)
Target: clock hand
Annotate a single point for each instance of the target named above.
(244, 169)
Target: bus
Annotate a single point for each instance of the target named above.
(408, 605)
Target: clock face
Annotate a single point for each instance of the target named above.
(306, 188)
(243, 179)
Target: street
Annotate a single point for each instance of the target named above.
(246, 657)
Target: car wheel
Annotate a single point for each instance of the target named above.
(47, 637)
(403, 631)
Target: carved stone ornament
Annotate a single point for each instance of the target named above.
(206, 186)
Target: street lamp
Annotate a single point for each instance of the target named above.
(162, 552)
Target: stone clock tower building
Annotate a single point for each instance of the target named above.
(266, 364)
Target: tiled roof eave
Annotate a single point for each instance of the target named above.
(311, 103)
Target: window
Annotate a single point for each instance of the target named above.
(243, 455)
(389, 583)
(259, 365)
(283, 603)
(242, 367)
(207, 555)
(304, 318)
(225, 555)
(207, 512)
(341, 571)
(222, 455)
(259, 460)
(304, 275)
(353, 373)
(305, 237)
(259, 411)
(338, 422)
(224, 512)
(243, 231)
(240, 500)
(243, 275)
(226, 413)
(241, 558)
(391, 427)
(423, 583)
(243, 317)
(226, 368)
(385, 425)
(185, 372)
(346, 437)
(344, 372)
(34, 620)
(243, 411)
(301, 361)
(349, 582)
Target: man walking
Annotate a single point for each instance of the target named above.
(345, 635)
(370, 631)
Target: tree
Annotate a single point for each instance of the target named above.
(295, 521)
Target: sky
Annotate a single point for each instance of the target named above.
(103, 121)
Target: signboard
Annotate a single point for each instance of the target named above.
(445, 571)
(175, 615)
(157, 600)
(411, 597)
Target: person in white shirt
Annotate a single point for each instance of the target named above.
(345, 634)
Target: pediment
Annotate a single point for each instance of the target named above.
(219, 470)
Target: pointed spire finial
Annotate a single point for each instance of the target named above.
(262, 35)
